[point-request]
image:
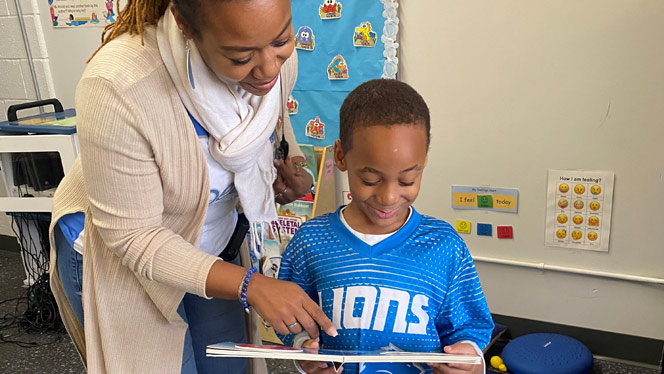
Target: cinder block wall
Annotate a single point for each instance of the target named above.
(16, 82)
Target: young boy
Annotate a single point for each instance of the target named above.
(383, 273)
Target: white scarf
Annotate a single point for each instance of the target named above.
(240, 124)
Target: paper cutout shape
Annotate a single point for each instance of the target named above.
(329, 169)
(347, 197)
(292, 105)
(305, 38)
(506, 232)
(484, 201)
(363, 36)
(337, 69)
(484, 229)
(463, 226)
(330, 9)
(315, 129)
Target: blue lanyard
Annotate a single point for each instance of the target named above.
(200, 131)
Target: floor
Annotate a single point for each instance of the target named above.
(53, 352)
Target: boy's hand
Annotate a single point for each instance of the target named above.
(458, 349)
(316, 367)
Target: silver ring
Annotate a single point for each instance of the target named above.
(292, 325)
(281, 194)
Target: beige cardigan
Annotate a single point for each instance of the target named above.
(142, 181)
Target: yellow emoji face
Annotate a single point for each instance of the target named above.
(577, 234)
(595, 190)
(563, 203)
(564, 187)
(592, 236)
(578, 205)
(579, 189)
(562, 218)
(561, 234)
(577, 219)
(594, 205)
(593, 221)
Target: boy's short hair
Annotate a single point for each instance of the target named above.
(382, 102)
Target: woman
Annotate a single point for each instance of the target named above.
(176, 116)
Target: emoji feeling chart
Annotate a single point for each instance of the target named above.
(579, 209)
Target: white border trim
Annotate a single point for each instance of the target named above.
(389, 38)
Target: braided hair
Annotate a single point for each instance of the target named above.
(139, 13)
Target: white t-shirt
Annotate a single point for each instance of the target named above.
(221, 216)
(369, 238)
(219, 222)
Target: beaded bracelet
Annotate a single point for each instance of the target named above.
(239, 288)
(242, 290)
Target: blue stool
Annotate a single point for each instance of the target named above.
(547, 353)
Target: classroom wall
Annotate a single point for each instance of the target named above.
(69, 49)
(518, 87)
(16, 81)
(514, 88)
(59, 58)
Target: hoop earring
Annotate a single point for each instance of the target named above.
(190, 73)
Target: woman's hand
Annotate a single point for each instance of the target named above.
(286, 307)
(316, 367)
(458, 349)
(292, 181)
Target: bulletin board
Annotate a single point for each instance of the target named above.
(320, 38)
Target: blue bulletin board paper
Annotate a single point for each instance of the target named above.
(318, 96)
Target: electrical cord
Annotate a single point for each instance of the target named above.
(35, 312)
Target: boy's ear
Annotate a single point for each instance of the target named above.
(339, 156)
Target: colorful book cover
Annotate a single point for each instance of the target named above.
(291, 217)
(288, 226)
(298, 208)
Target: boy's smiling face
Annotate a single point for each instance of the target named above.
(384, 165)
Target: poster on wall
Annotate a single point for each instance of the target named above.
(82, 13)
(578, 209)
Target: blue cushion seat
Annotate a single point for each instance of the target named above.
(547, 353)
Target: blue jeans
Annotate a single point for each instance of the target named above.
(70, 269)
(210, 321)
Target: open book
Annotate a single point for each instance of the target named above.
(386, 354)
